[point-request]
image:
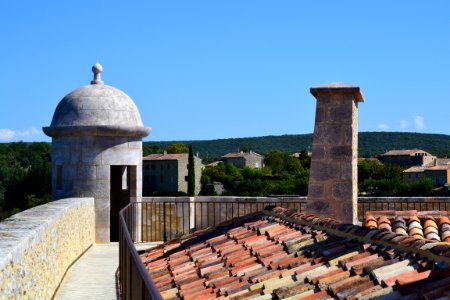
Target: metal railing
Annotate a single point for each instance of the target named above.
(402, 203)
(163, 219)
(167, 219)
(134, 281)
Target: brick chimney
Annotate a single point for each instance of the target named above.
(333, 180)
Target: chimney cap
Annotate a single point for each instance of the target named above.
(338, 87)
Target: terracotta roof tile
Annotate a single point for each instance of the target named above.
(430, 225)
(383, 292)
(257, 271)
(263, 256)
(346, 283)
(272, 257)
(248, 294)
(165, 156)
(211, 280)
(361, 262)
(391, 270)
(443, 220)
(295, 289)
(264, 276)
(352, 285)
(317, 295)
(407, 277)
(331, 277)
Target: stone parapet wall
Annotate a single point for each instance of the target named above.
(38, 245)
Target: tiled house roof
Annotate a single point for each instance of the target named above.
(431, 225)
(410, 152)
(240, 154)
(282, 254)
(414, 169)
(165, 156)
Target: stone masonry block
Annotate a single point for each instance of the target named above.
(101, 144)
(102, 217)
(320, 115)
(349, 136)
(102, 188)
(121, 157)
(325, 100)
(342, 191)
(347, 171)
(87, 142)
(103, 172)
(75, 156)
(85, 188)
(91, 156)
(123, 145)
(69, 172)
(326, 134)
(86, 172)
(348, 98)
(340, 114)
(135, 145)
(61, 157)
(318, 206)
(321, 171)
(318, 152)
(340, 153)
(316, 190)
(102, 203)
(348, 210)
(102, 235)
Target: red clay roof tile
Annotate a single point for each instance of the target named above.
(407, 277)
(355, 288)
(297, 248)
(289, 291)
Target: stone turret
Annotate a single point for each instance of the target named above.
(97, 136)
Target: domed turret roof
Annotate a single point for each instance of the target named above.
(97, 110)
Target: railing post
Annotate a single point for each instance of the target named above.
(164, 222)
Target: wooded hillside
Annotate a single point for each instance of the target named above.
(370, 144)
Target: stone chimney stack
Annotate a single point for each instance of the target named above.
(333, 181)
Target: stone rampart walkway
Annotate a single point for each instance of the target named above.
(93, 276)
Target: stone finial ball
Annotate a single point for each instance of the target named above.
(97, 68)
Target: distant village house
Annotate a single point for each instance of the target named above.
(439, 174)
(407, 158)
(168, 173)
(244, 159)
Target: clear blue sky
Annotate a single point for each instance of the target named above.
(221, 69)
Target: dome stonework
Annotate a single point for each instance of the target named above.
(97, 110)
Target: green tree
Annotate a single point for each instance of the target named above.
(283, 163)
(422, 187)
(191, 173)
(375, 179)
(283, 175)
(275, 161)
(177, 148)
(150, 149)
(25, 176)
